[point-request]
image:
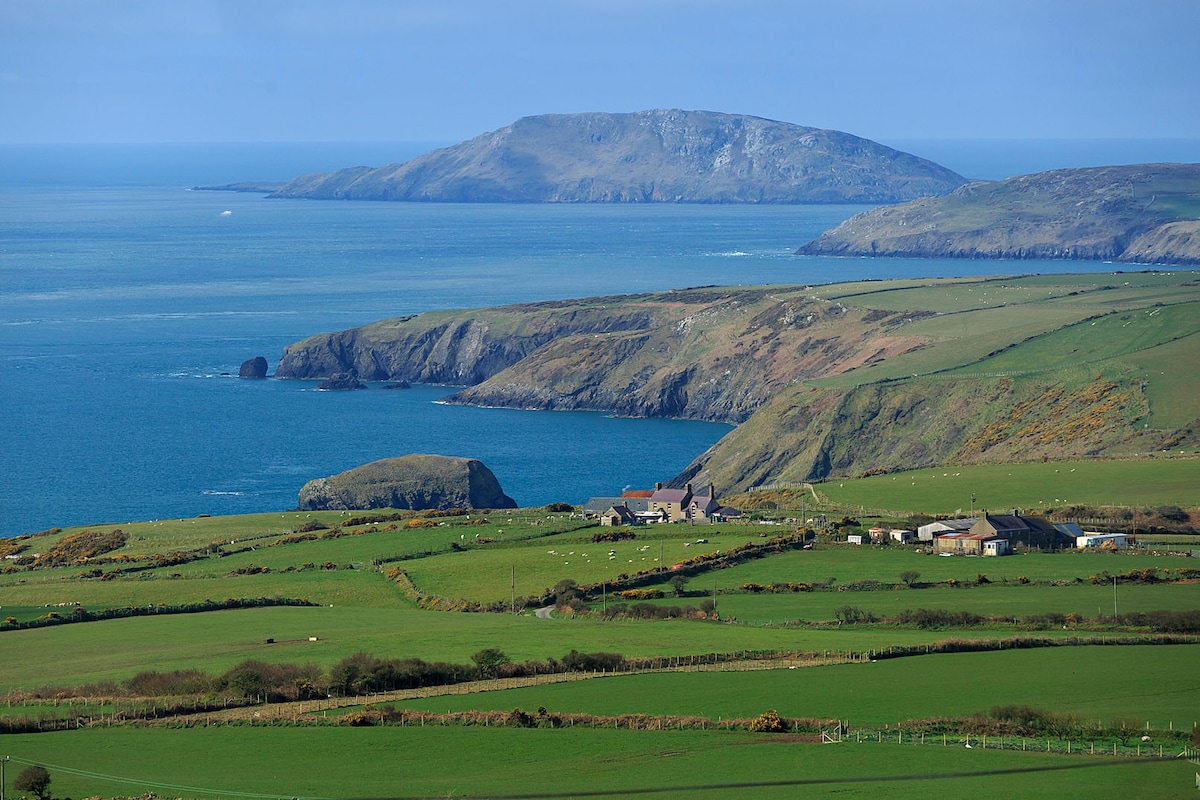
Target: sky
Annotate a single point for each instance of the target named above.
(137, 71)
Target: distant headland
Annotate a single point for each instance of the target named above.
(658, 156)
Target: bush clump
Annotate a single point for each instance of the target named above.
(770, 722)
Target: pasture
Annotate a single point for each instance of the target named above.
(1002, 487)
(399, 762)
(891, 691)
(356, 608)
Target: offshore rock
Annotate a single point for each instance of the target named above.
(253, 368)
(341, 382)
(414, 482)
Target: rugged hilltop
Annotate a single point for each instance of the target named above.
(647, 156)
(1147, 214)
(829, 380)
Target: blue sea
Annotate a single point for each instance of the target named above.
(128, 301)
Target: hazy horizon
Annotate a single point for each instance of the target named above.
(134, 71)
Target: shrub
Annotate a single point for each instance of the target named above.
(642, 594)
(576, 661)
(851, 615)
(559, 508)
(614, 535)
(520, 719)
(770, 722)
(910, 576)
(81, 546)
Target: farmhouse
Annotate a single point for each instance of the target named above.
(929, 532)
(675, 503)
(596, 506)
(640, 507)
(972, 544)
(1023, 531)
(1014, 530)
(617, 515)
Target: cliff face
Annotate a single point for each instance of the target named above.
(712, 354)
(413, 481)
(1143, 214)
(830, 380)
(649, 156)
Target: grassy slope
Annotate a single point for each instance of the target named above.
(1102, 344)
(948, 490)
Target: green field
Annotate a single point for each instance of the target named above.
(357, 608)
(891, 691)
(574, 762)
(1002, 487)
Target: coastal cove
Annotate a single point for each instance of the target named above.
(122, 308)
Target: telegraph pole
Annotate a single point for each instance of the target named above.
(3, 761)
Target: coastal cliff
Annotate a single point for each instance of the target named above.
(657, 156)
(710, 354)
(1148, 214)
(827, 380)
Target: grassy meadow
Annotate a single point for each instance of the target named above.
(999, 488)
(395, 762)
(355, 604)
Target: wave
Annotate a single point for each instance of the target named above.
(217, 493)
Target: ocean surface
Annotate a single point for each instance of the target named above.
(128, 301)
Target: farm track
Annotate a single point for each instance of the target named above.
(297, 709)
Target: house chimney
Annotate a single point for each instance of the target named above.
(687, 487)
(658, 486)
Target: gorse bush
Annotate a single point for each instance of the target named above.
(770, 722)
(79, 547)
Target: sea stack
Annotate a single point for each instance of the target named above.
(253, 368)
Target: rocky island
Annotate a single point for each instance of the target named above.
(1145, 214)
(669, 156)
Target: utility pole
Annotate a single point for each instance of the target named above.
(512, 609)
(1114, 599)
(3, 761)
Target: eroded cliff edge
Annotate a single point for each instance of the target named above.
(828, 380)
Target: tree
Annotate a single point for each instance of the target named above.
(909, 576)
(489, 660)
(677, 582)
(36, 780)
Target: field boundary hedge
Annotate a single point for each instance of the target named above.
(81, 614)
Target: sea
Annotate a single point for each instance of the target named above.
(128, 300)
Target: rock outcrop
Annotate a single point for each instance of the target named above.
(658, 156)
(1139, 214)
(341, 382)
(412, 482)
(254, 368)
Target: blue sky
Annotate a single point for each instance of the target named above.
(446, 70)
